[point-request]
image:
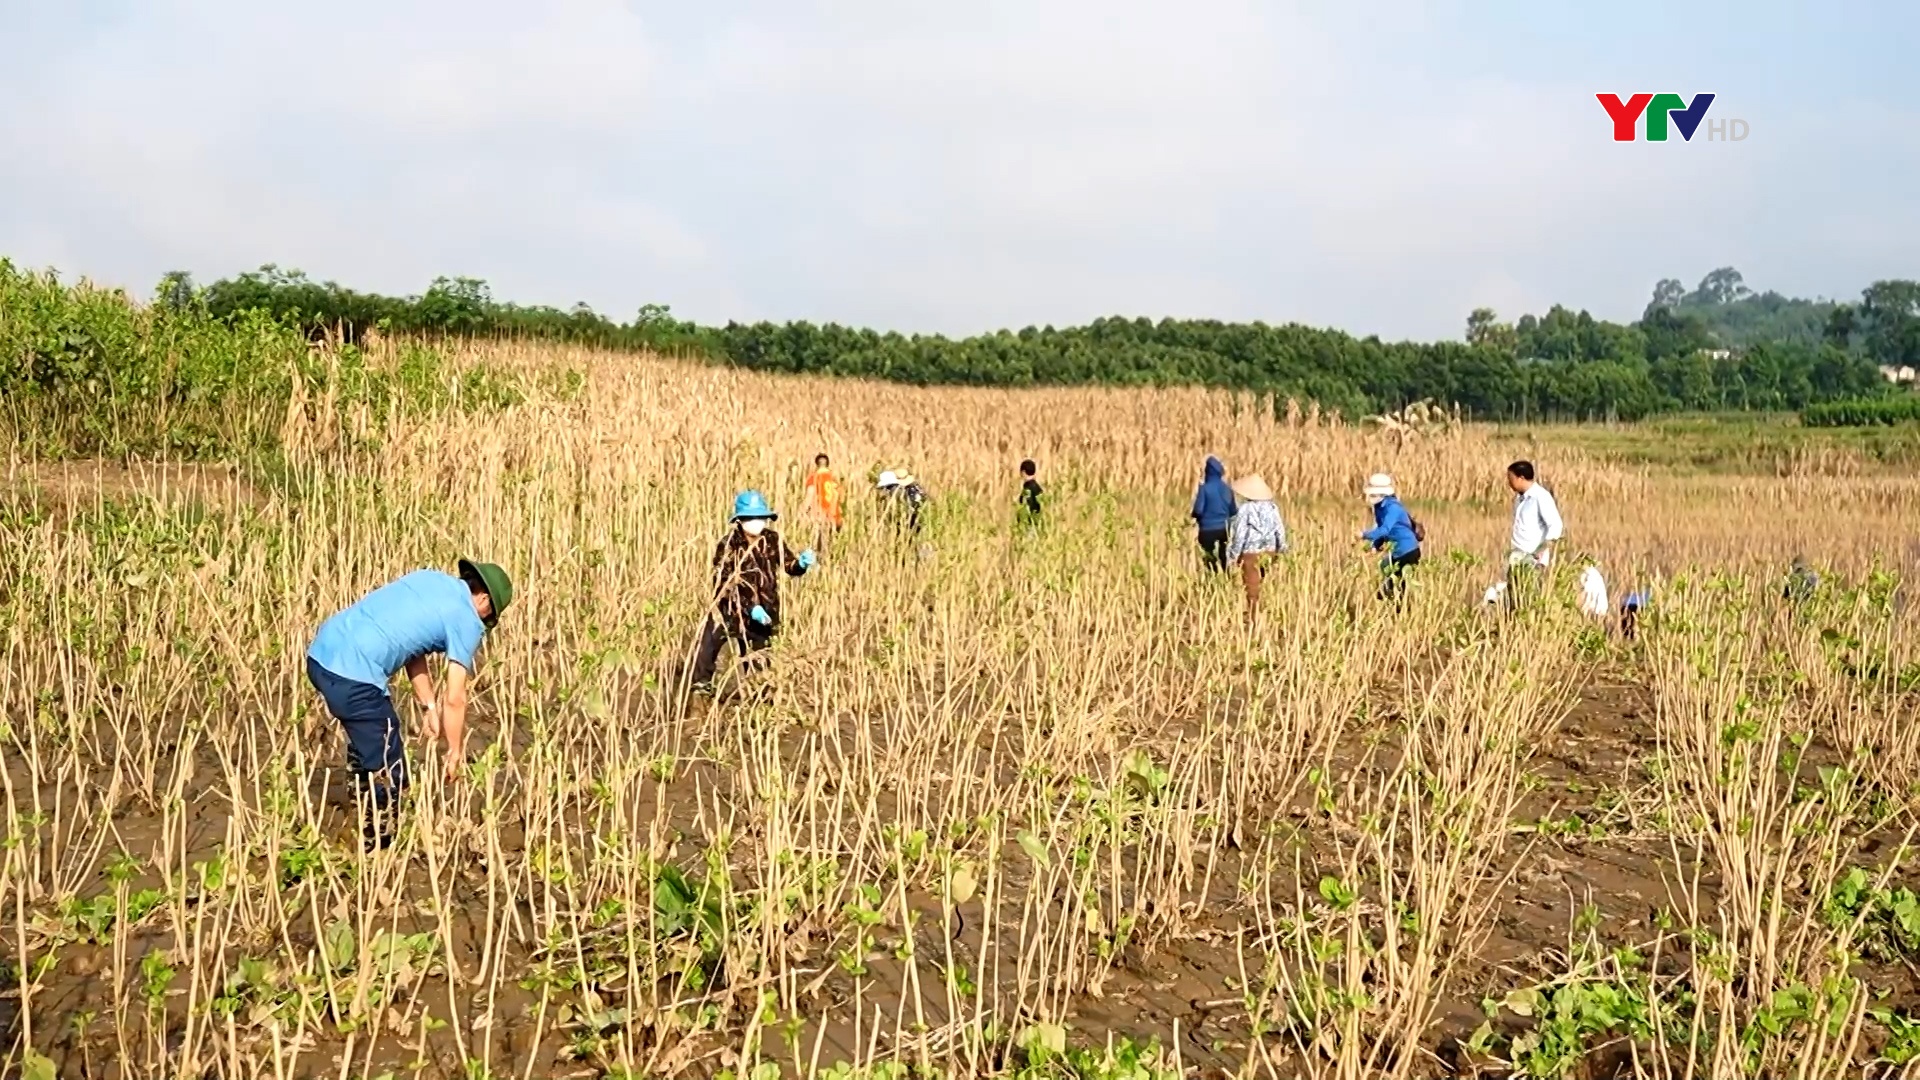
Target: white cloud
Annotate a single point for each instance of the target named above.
(918, 166)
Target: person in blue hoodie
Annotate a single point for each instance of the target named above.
(1394, 533)
(1213, 510)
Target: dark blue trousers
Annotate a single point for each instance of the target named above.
(376, 751)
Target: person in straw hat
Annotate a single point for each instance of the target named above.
(1258, 534)
(902, 496)
(1393, 533)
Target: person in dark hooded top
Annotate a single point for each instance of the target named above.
(1213, 510)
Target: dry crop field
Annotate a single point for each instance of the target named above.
(1020, 805)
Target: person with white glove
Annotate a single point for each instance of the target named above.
(747, 565)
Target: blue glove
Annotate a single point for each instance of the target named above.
(759, 615)
(806, 559)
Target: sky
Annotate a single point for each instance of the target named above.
(949, 167)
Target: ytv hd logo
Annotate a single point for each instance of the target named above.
(1664, 110)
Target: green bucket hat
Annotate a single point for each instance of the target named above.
(499, 589)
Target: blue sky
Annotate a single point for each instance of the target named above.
(1381, 167)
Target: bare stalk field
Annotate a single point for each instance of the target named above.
(1006, 803)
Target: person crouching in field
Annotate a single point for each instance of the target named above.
(1258, 535)
(901, 498)
(1593, 591)
(1393, 532)
(1630, 613)
(353, 658)
(747, 565)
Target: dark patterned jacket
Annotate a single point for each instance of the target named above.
(746, 573)
(903, 504)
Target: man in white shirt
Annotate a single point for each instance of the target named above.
(1536, 529)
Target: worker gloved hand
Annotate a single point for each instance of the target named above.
(806, 559)
(759, 615)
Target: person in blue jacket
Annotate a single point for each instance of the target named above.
(356, 653)
(1213, 510)
(1393, 533)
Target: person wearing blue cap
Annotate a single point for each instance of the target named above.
(747, 565)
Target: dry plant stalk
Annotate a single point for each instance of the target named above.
(1022, 793)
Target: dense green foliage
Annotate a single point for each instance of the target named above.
(1864, 412)
(1737, 317)
(86, 371)
(83, 370)
(1884, 326)
(213, 367)
(1564, 364)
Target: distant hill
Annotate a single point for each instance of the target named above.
(1737, 317)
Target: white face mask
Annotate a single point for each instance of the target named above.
(754, 527)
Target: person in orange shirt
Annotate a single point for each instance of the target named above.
(824, 501)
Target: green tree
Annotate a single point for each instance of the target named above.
(1722, 286)
(175, 291)
(1891, 313)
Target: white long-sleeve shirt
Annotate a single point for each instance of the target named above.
(1536, 521)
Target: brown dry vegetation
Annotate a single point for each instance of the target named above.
(1003, 796)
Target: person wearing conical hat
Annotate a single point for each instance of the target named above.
(1394, 534)
(1258, 535)
(747, 564)
(355, 653)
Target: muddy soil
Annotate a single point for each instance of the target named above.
(1582, 850)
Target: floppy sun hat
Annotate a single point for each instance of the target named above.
(1379, 484)
(752, 506)
(889, 479)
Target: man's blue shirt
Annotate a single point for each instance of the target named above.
(427, 611)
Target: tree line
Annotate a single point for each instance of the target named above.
(85, 371)
(1717, 347)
